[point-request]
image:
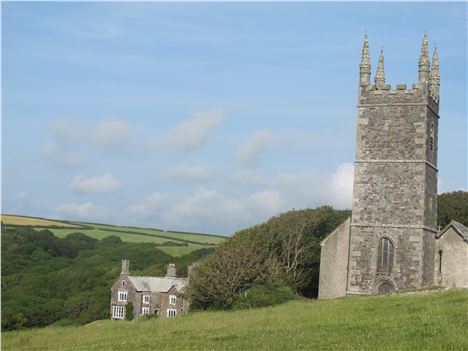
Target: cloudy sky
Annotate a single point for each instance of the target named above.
(205, 116)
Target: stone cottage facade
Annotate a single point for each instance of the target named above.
(391, 239)
(149, 295)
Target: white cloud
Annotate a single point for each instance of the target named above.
(192, 133)
(250, 178)
(146, 207)
(114, 134)
(315, 187)
(211, 211)
(65, 130)
(85, 211)
(206, 209)
(257, 144)
(192, 172)
(342, 185)
(53, 152)
(21, 195)
(305, 188)
(102, 184)
(118, 135)
(267, 202)
(265, 140)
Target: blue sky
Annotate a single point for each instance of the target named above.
(206, 116)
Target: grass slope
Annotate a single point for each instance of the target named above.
(195, 241)
(432, 321)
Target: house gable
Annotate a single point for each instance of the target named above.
(457, 227)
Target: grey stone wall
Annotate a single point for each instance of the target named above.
(334, 262)
(395, 188)
(180, 306)
(412, 261)
(124, 284)
(454, 260)
(159, 301)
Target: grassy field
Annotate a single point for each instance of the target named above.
(101, 234)
(31, 221)
(195, 241)
(170, 235)
(429, 321)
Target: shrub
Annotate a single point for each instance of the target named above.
(129, 311)
(233, 268)
(263, 296)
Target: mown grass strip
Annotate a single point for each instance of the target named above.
(171, 238)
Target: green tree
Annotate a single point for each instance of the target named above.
(66, 281)
(283, 252)
(129, 311)
(452, 206)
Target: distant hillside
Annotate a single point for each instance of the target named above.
(173, 243)
(428, 321)
(47, 280)
(14, 220)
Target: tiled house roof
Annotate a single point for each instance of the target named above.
(157, 284)
(458, 227)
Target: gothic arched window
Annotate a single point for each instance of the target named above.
(385, 253)
(385, 288)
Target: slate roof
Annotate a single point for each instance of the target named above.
(157, 284)
(458, 227)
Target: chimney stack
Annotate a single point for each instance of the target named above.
(125, 267)
(171, 271)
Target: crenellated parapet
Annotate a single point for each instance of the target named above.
(401, 94)
(425, 91)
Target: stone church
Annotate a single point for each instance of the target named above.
(391, 241)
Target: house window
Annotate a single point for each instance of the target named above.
(122, 296)
(385, 256)
(171, 312)
(118, 312)
(172, 299)
(145, 311)
(146, 299)
(441, 253)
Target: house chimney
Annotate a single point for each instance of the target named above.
(171, 271)
(125, 266)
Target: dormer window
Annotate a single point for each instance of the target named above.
(172, 299)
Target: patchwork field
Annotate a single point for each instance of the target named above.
(31, 221)
(184, 243)
(429, 321)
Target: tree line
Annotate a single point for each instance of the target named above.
(280, 259)
(65, 281)
(49, 280)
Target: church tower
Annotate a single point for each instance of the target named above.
(393, 222)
